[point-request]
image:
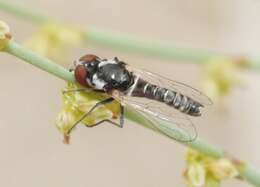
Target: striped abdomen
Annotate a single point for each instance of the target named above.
(172, 98)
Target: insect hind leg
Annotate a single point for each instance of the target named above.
(106, 120)
(121, 120)
(103, 102)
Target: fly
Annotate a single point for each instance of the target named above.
(153, 95)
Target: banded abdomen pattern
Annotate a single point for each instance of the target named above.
(177, 100)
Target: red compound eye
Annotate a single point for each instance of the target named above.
(88, 58)
(81, 75)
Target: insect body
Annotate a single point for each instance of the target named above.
(147, 92)
(103, 75)
(172, 98)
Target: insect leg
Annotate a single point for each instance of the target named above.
(103, 102)
(74, 90)
(72, 67)
(122, 112)
(121, 123)
(81, 90)
(105, 120)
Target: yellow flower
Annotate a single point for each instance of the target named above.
(203, 170)
(212, 181)
(55, 40)
(85, 100)
(196, 174)
(66, 118)
(78, 103)
(223, 169)
(221, 77)
(5, 35)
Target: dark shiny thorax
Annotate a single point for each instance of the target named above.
(115, 75)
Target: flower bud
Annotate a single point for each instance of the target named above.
(221, 77)
(196, 175)
(55, 40)
(5, 35)
(223, 169)
(66, 119)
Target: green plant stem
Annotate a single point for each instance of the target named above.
(38, 61)
(23, 12)
(128, 43)
(246, 171)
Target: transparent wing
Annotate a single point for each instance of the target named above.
(164, 118)
(176, 86)
(174, 131)
(177, 123)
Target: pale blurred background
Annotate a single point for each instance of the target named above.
(32, 153)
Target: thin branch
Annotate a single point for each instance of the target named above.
(246, 171)
(129, 43)
(23, 12)
(151, 48)
(38, 61)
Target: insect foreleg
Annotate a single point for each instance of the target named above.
(74, 90)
